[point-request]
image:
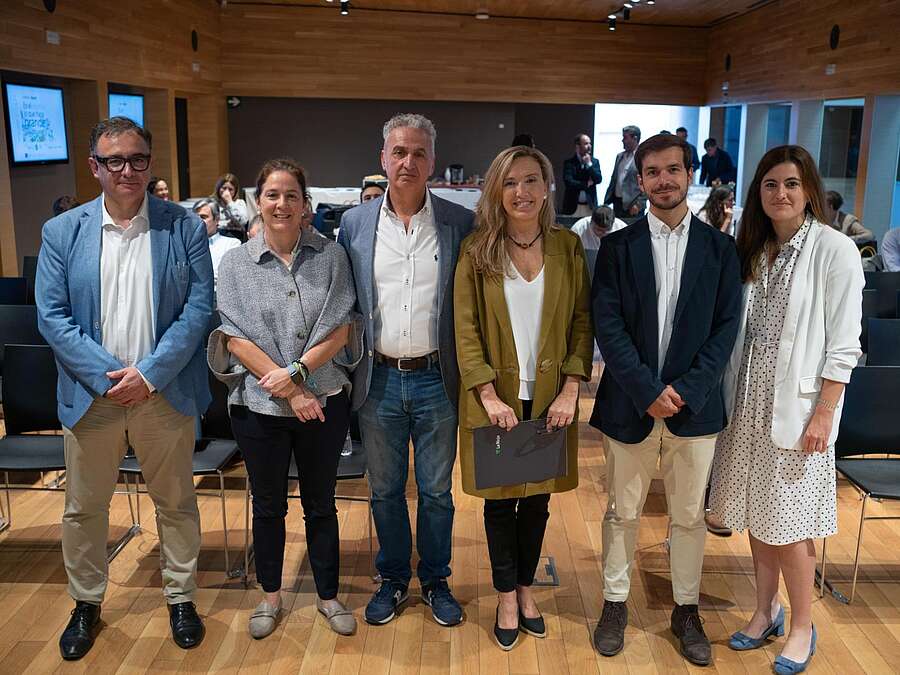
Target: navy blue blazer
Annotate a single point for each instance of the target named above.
(357, 236)
(707, 317)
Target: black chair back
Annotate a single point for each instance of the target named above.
(29, 389)
(869, 310)
(18, 326)
(887, 284)
(869, 418)
(884, 342)
(216, 422)
(29, 271)
(13, 291)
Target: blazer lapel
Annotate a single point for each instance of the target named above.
(92, 229)
(641, 257)
(445, 248)
(366, 246)
(693, 263)
(799, 280)
(160, 240)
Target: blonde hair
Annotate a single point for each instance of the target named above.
(487, 248)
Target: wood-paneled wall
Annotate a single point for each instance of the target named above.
(314, 52)
(780, 52)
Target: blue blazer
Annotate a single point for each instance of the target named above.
(67, 293)
(707, 317)
(357, 236)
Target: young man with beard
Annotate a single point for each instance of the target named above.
(666, 298)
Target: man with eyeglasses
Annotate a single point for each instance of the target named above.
(124, 293)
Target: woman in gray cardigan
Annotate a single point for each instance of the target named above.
(284, 348)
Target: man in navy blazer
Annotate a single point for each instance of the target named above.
(581, 176)
(124, 293)
(666, 298)
(403, 249)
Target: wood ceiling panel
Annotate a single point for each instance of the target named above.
(664, 12)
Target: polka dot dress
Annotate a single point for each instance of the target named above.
(782, 496)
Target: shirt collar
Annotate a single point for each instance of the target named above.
(309, 236)
(796, 242)
(426, 209)
(140, 219)
(659, 229)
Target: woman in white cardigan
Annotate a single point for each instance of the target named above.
(773, 472)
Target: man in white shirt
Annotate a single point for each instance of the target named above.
(124, 295)
(666, 306)
(208, 211)
(591, 230)
(403, 249)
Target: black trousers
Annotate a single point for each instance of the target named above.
(515, 533)
(267, 444)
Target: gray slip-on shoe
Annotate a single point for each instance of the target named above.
(263, 619)
(339, 618)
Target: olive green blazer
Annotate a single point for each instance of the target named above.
(487, 352)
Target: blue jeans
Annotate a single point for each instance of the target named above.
(400, 406)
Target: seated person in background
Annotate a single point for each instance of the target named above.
(718, 210)
(208, 211)
(591, 229)
(846, 223)
(890, 250)
(716, 167)
(256, 226)
(373, 187)
(233, 214)
(63, 204)
(159, 188)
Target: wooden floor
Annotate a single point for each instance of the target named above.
(34, 606)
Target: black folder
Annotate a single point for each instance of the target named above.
(528, 453)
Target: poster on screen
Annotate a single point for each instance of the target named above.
(36, 123)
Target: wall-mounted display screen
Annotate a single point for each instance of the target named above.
(35, 124)
(127, 105)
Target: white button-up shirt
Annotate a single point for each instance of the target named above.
(406, 283)
(127, 323)
(668, 247)
(218, 246)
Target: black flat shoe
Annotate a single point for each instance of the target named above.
(535, 626)
(187, 628)
(506, 637)
(78, 637)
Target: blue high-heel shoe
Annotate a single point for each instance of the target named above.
(785, 666)
(741, 642)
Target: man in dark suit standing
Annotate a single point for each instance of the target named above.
(581, 174)
(666, 299)
(682, 133)
(624, 192)
(716, 167)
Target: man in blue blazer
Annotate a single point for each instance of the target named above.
(666, 298)
(124, 292)
(403, 249)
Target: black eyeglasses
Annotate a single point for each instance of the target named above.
(115, 164)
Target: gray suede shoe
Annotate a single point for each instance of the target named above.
(264, 619)
(340, 618)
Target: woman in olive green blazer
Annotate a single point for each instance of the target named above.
(524, 342)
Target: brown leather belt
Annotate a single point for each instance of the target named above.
(404, 365)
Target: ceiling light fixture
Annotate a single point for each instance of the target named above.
(345, 7)
(626, 14)
(628, 5)
(611, 16)
(482, 15)
(612, 24)
(651, 2)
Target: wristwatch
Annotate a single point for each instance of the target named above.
(298, 371)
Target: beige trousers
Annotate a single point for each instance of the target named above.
(685, 464)
(163, 440)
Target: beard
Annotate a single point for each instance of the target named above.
(669, 200)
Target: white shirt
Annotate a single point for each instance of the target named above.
(524, 301)
(627, 160)
(589, 238)
(668, 247)
(127, 321)
(218, 245)
(406, 283)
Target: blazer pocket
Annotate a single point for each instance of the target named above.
(810, 385)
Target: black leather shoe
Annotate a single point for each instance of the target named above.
(78, 637)
(187, 628)
(688, 628)
(535, 626)
(609, 635)
(506, 637)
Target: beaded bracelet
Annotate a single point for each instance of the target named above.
(828, 405)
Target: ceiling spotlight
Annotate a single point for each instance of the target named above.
(482, 15)
(612, 24)
(628, 5)
(651, 2)
(345, 7)
(611, 16)
(626, 14)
